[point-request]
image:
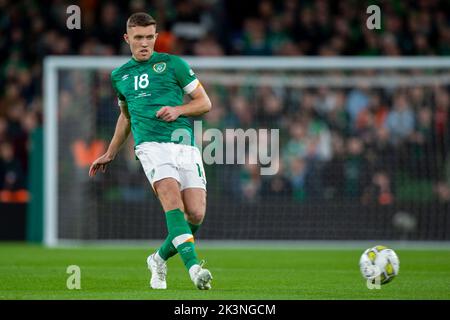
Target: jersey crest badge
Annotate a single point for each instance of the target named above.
(159, 67)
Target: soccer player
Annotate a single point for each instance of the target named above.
(150, 89)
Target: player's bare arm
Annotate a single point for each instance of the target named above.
(199, 105)
(121, 133)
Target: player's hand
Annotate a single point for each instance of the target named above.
(168, 114)
(100, 163)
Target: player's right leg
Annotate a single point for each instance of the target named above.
(168, 192)
(169, 195)
(156, 160)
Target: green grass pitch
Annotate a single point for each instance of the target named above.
(35, 272)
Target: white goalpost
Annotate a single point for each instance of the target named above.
(78, 210)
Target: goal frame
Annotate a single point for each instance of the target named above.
(52, 64)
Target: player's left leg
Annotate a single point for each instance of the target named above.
(194, 203)
(194, 200)
(193, 190)
(181, 236)
(193, 196)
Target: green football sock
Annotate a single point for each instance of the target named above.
(194, 227)
(168, 250)
(181, 237)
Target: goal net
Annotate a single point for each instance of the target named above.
(361, 147)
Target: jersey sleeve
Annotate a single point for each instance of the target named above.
(121, 101)
(185, 75)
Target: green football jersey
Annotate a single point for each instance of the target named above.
(148, 86)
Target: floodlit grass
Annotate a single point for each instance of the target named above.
(35, 272)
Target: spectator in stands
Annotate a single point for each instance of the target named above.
(254, 38)
(442, 189)
(279, 38)
(18, 138)
(355, 169)
(269, 108)
(216, 117)
(250, 183)
(444, 41)
(12, 176)
(297, 145)
(441, 122)
(277, 186)
(357, 101)
(110, 28)
(320, 146)
(189, 21)
(379, 190)
(381, 153)
(331, 107)
(242, 115)
(333, 172)
(400, 120)
(420, 146)
(298, 173)
(3, 130)
(207, 46)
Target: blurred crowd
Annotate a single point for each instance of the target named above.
(360, 145)
(327, 131)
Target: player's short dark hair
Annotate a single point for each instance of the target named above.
(140, 19)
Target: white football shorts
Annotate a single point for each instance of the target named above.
(171, 160)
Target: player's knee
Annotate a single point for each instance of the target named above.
(196, 216)
(196, 219)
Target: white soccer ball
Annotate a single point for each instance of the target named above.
(379, 265)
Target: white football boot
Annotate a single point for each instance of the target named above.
(158, 271)
(200, 276)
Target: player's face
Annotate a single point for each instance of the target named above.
(141, 41)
